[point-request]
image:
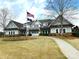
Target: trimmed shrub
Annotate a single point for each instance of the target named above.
(75, 31)
(41, 34)
(20, 38)
(13, 39)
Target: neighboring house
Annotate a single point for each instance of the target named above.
(39, 27)
(55, 26)
(14, 28)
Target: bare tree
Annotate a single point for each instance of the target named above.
(5, 17)
(61, 7)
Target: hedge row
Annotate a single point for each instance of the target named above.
(17, 38)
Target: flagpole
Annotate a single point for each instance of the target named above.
(26, 21)
(26, 25)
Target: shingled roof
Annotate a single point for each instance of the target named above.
(45, 20)
(57, 22)
(20, 25)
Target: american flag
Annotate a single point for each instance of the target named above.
(29, 19)
(30, 15)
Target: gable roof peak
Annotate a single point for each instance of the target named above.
(58, 21)
(17, 23)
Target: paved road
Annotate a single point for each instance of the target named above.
(68, 50)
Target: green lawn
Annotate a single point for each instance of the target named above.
(40, 48)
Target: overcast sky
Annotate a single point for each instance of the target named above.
(19, 8)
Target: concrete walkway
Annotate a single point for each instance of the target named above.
(69, 51)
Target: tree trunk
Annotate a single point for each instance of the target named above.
(61, 26)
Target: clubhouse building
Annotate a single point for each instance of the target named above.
(39, 27)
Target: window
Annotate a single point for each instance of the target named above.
(56, 30)
(34, 31)
(61, 31)
(64, 31)
(47, 32)
(13, 32)
(44, 32)
(9, 33)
